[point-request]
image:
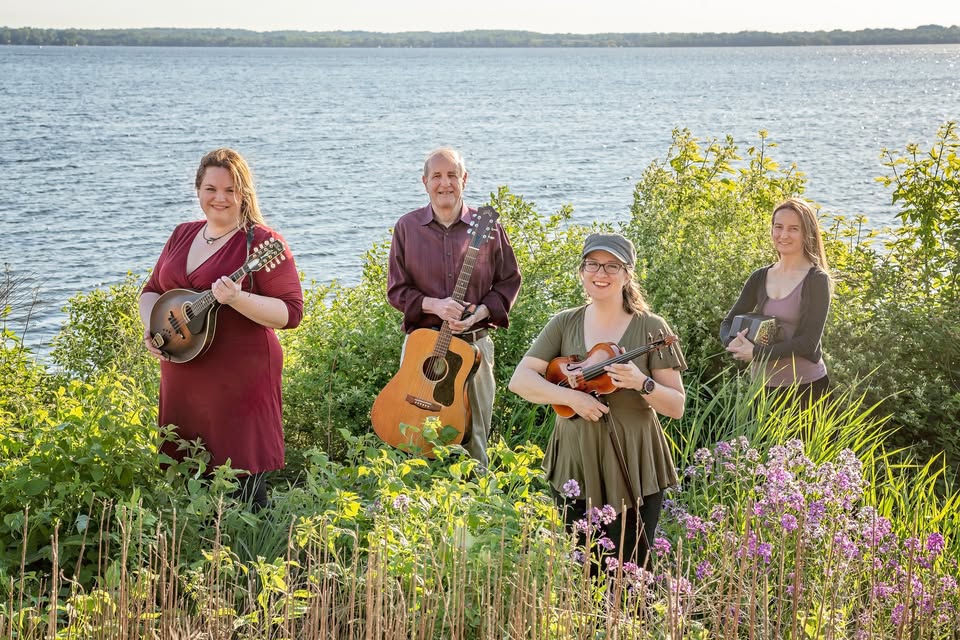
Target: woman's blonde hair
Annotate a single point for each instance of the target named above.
(242, 181)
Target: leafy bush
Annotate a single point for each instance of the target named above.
(894, 321)
(700, 221)
(102, 332)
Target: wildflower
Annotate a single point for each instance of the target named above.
(765, 551)
(606, 543)
(789, 522)
(579, 556)
(718, 513)
(662, 547)
(401, 502)
(570, 489)
(723, 449)
(702, 456)
(896, 616)
(935, 543)
(704, 570)
(605, 516)
(680, 586)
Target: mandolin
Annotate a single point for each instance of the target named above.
(433, 375)
(587, 374)
(183, 321)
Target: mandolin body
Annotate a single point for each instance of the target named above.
(177, 329)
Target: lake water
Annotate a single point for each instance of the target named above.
(98, 146)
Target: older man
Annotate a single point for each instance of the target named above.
(426, 256)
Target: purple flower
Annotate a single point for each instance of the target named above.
(401, 502)
(570, 489)
(723, 449)
(896, 616)
(789, 522)
(606, 543)
(935, 543)
(765, 551)
(607, 515)
(704, 570)
(662, 547)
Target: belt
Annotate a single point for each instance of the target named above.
(472, 336)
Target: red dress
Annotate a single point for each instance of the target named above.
(230, 396)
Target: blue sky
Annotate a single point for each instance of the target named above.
(547, 16)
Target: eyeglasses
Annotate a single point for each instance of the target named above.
(592, 266)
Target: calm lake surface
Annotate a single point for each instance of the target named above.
(98, 146)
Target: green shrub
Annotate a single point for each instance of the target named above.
(700, 221)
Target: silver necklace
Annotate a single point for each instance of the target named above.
(212, 240)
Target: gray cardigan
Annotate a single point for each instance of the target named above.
(815, 298)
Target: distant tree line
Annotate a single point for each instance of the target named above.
(928, 34)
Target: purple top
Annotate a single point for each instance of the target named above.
(785, 371)
(425, 261)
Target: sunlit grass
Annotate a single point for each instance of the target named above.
(795, 525)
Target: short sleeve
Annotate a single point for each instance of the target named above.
(549, 343)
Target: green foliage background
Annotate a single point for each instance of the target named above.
(78, 440)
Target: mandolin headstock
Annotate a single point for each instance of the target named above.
(267, 255)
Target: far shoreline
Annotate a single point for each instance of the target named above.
(192, 37)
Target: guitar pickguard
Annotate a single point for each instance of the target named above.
(444, 373)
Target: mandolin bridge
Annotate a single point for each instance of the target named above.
(420, 403)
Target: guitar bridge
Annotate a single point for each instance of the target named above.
(420, 403)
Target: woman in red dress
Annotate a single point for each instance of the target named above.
(229, 397)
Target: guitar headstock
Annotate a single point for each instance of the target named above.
(483, 225)
(267, 255)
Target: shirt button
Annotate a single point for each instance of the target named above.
(449, 275)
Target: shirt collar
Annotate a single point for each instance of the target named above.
(426, 214)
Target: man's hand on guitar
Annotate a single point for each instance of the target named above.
(446, 309)
(471, 316)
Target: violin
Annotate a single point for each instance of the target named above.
(587, 374)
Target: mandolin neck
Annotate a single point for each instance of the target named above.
(206, 301)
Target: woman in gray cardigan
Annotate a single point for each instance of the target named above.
(796, 291)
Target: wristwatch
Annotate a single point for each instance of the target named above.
(648, 386)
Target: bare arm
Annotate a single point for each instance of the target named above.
(270, 312)
(528, 383)
(147, 300)
(668, 396)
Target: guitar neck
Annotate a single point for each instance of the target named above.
(459, 293)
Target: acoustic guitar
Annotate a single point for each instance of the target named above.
(183, 321)
(433, 376)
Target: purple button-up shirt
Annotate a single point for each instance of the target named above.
(425, 261)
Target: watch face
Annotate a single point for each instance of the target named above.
(649, 385)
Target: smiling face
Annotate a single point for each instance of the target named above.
(600, 285)
(444, 181)
(219, 198)
(787, 232)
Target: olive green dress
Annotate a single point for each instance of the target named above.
(582, 450)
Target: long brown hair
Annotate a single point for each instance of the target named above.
(242, 181)
(813, 249)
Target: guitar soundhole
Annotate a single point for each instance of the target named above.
(435, 368)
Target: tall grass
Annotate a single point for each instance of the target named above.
(770, 537)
